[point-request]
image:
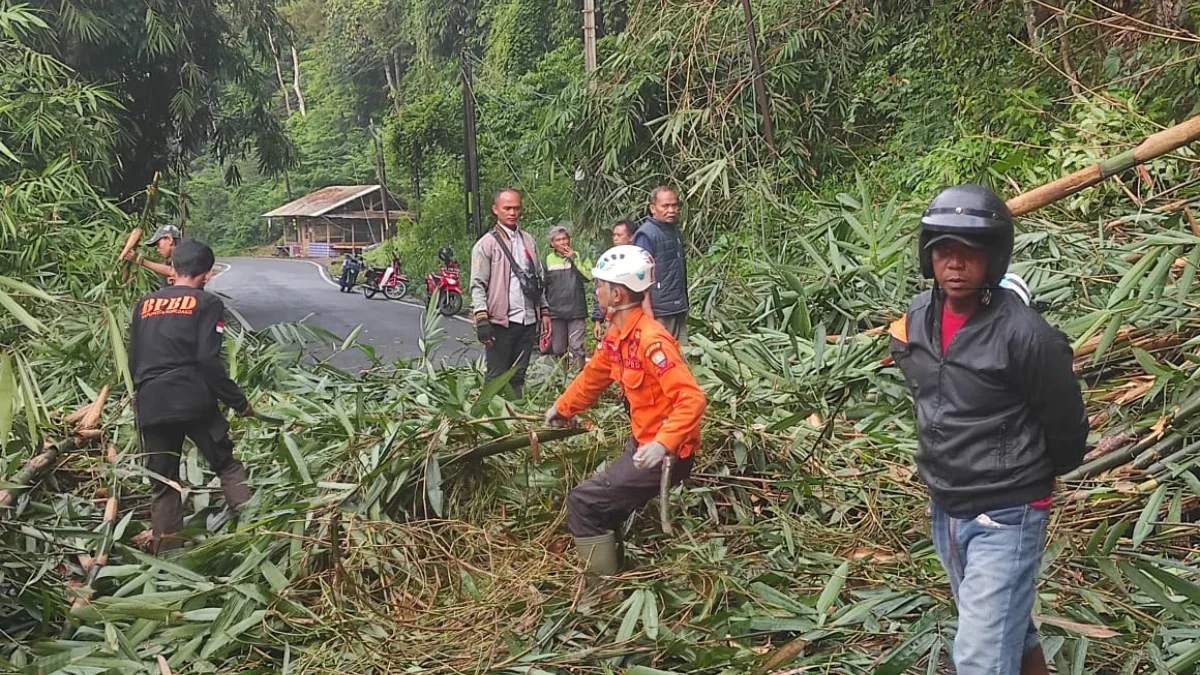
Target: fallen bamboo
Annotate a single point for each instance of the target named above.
(91, 418)
(1154, 146)
(1168, 444)
(34, 470)
(514, 442)
(1163, 466)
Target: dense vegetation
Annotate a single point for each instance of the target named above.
(408, 519)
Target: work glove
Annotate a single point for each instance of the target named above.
(483, 329)
(1016, 284)
(553, 418)
(248, 411)
(649, 456)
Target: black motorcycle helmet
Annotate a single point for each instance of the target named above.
(445, 254)
(975, 215)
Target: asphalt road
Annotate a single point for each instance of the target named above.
(267, 291)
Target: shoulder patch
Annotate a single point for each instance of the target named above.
(654, 347)
(659, 358)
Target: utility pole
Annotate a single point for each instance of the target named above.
(760, 90)
(589, 40)
(470, 158)
(381, 177)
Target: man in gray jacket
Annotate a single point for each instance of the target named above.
(507, 295)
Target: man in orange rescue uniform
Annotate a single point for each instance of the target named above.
(665, 408)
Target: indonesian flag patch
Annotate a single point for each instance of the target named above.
(221, 327)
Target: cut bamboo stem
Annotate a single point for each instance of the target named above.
(91, 419)
(35, 469)
(131, 241)
(1152, 147)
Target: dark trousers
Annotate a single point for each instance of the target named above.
(513, 345)
(162, 444)
(601, 503)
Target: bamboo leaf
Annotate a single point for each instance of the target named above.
(650, 614)
(294, 459)
(120, 355)
(1147, 586)
(8, 398)
(633, 613)
(433, 484)
(350, 339)
(1145, 522)
(829, 596)
(20, 314)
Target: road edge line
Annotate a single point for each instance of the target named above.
(225, 267)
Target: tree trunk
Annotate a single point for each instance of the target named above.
(1064, 48)
(287, 100)
(1169, 14)
(415, 170)
(393, 93)
(1031, 24)
(296, 81)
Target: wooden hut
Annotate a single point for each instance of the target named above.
(335, 220)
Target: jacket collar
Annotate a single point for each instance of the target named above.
(634, 319)
(509, 235)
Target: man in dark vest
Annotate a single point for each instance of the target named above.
(667, 301)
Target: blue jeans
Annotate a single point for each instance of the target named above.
(993, 561)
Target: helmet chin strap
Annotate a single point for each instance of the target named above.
(618, 308)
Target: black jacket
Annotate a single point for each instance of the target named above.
(175, 357)
(669, 294)
(1001, 414)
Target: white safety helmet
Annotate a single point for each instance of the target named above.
(629, 266)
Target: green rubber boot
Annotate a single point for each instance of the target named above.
(599, 554)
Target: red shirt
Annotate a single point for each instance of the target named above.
(951, 323)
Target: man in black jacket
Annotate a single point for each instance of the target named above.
(999, 416)
(659, 233)
(178, 376)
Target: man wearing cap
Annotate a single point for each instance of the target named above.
(566, 294)
(163, 241)
(999, 416)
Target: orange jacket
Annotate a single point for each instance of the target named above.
(665, 402)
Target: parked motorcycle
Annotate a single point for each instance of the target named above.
(349, 277)
(390, 280)
(444, 284)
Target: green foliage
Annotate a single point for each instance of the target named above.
(185, 73)
(399, 523)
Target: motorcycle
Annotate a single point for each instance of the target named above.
(349, 277)
(444, 284)
(390, 280)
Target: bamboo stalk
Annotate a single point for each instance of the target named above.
(1152, 147)
(515, 442)
(1160, 468)
(34, 470)
(1186, 411)
(132, 240)
(1167, 444)
(92, 417)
